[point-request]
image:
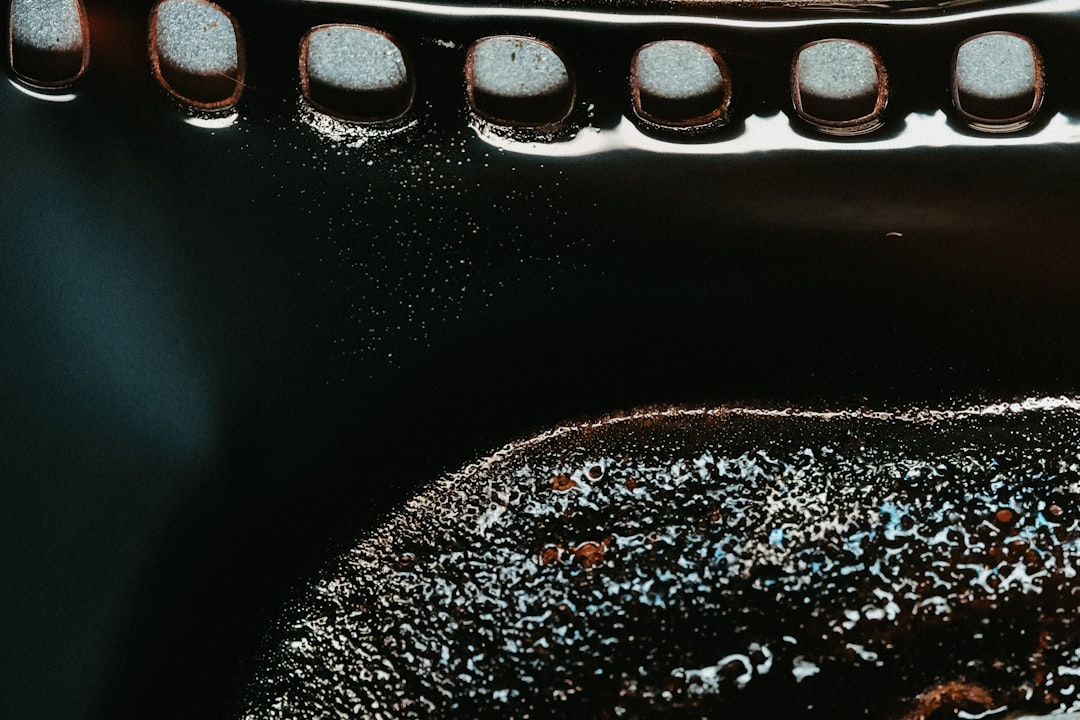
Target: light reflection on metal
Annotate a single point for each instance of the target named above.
(774, 133)
(213, 123)
(48, 97)
(1044, 8)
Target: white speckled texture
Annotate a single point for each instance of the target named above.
(355, 58)
(516, 67)
(725, 563)
(49, 25)
(995, 66)
(677, 69)
(836, 70)
(196, 37)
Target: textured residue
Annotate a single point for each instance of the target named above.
(714, 563)
(837, 70)
(677, 69)
(48, 25)
(196, 37)
(355, 58)
(517, 67)
(995, 66)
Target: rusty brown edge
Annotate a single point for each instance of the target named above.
(241, 64)
(305, 81)
(84, 25)
(710, 117)
(857, 126)
(554, 124)
(1012, 124)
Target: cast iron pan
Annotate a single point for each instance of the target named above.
(232, 344)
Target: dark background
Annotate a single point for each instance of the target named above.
(225, 353)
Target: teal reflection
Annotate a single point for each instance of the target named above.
(114, 323)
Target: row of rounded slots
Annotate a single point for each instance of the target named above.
(361, 74)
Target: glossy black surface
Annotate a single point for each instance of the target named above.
(226, 352)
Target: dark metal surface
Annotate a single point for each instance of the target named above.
(227, 351)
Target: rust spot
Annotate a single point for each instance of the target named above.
(1038, 659)
(951, 697)
(1055, 510)
(632, 483)
(1004, 516)
(562, 483)
(589, 553)
(596, 471)
(550, 555)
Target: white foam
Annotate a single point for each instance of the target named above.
(995, 66)
(196, 37)
(837, 70)
(355, 58)
(677, 70)
(517, 67)
(802, 668)
(49, 25)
